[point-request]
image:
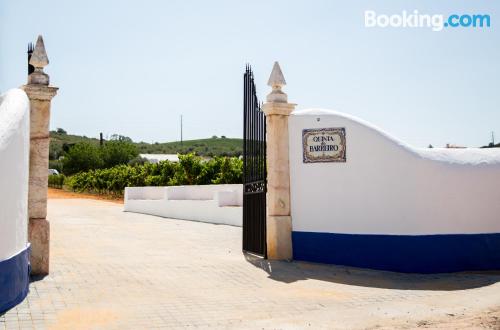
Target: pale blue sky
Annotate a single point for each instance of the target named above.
(132, 67)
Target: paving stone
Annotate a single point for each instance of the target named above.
(117, 270)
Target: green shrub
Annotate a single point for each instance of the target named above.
(56, 181)
(190, 170)
(85, 156)
(231, 171)
(117, 152)
(82, 156)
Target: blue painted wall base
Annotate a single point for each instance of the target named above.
(14, 279)
(408, 254)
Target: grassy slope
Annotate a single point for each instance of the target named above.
(202, 147)
(205, 147)
(58, 140)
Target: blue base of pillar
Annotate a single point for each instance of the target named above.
(401, 253)
(14, 279)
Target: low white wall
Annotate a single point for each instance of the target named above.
(388, 187)
(203, 192)
(149, 193)
(219, 204)
(14, 172)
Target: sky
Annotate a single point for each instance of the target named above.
(134, 67)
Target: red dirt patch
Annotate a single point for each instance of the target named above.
(63, 194)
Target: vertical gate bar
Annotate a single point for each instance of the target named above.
(249, 137)
(251, 205)
(259, 123)
(248, 123)
(255, 136)
(249, 159)
(255, 177)
(253, 132)
(248, 236)
(264, 193)
(250, 152)
(244, 240)
(264, 188)
(244, 122)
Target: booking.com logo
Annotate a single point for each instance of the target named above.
(436, 22)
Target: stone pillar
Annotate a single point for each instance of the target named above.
(40, 95)
(279, 222)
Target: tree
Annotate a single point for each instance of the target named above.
(61, 131)
(117, 152)
(81, 157)
(121, 138)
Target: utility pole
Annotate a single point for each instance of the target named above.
(181, 129)
(492, 138)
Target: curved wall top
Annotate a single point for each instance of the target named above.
(14, 172)
(388, 187)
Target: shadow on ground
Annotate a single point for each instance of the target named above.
(36, 278)
(289, 272)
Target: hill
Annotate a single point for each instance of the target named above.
(215, 146)
(59, 139)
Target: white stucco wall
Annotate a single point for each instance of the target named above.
(204, 192)
(388, 187)
(220, 204)
(14, 171)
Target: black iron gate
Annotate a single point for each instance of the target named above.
(254, 170)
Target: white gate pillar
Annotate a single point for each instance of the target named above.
(278, 222)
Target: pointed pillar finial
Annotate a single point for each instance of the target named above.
(39, 60)
(276, 81)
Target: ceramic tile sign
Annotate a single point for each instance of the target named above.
(323, 145)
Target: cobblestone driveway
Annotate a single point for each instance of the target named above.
(116, 270)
